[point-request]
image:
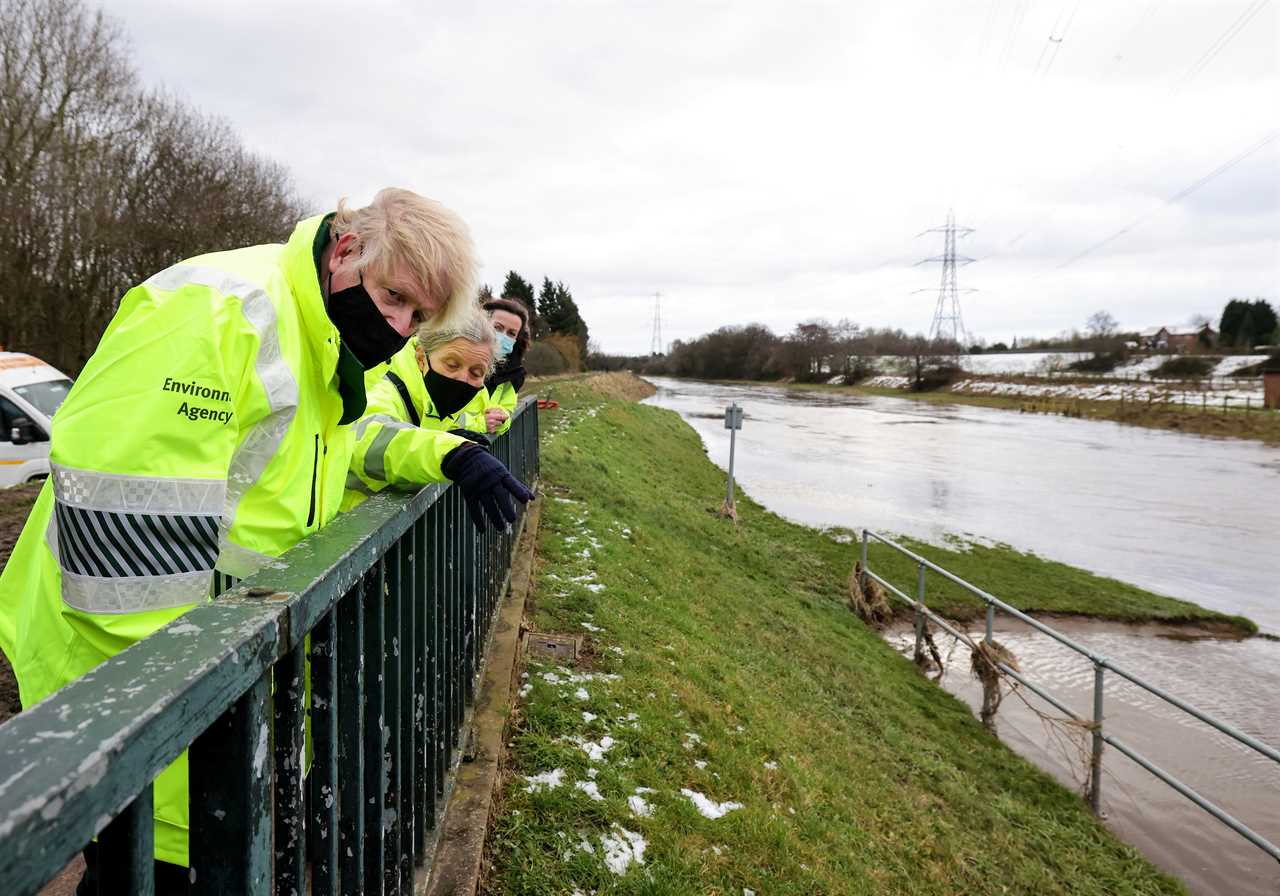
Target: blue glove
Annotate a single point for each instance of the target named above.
(486, 484)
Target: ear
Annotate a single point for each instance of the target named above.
(346, 249)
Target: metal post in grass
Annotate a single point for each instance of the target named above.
(862, 580)
(991, 621)
(1095, 756)
(918, 656)
(733, 423)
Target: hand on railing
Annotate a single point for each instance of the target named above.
(487, 485)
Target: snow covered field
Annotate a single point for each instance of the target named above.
(1047, 363)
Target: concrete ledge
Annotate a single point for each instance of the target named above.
(455, 866)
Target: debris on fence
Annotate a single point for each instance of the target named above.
(868, 601)
(985, 658)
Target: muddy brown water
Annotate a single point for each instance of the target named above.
(1177, 514)
(1170, 830)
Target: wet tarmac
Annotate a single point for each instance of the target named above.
(1186, 516)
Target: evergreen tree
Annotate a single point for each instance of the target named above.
(516, 287)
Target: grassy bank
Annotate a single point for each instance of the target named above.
(1262, 426)
(724, 676)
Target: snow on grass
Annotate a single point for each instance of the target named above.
(691, 740)
(595, 750)
(708, 807)
(588, 717)
(590, 788)
(591, 628)
(545, 781)
(581, 694)
(771, 766)
(639, 806)
(622, 848)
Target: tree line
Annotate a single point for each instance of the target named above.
(104, 181)
(813, 350)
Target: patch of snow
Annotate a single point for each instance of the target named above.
(589, 717)
(591, 628)
(545, 781)
(708, 807)
(621, 849)
(595, 750)
(595, 589)
(581, 694)
(639, 806)
(590, 788)
(691, 740)
(771, 766)
(700, 763)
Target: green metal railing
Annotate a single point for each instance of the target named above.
(389, 607)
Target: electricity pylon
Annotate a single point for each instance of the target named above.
(947, 322)
(655, 346)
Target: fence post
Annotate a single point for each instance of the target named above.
(862, 580)
(919, 651)
(991, 621)
(1095, 758)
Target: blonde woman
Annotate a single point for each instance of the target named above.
(415, 429)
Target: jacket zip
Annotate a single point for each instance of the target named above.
(315, 468)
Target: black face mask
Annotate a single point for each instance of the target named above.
(448, 395)
(361, 325)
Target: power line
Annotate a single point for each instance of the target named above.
(1057, 42)
(1221, 42)
(1176, 197)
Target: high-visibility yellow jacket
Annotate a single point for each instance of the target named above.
(503, 391)
(206, 433)
(390, 449)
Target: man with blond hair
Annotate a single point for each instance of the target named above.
(207, 435)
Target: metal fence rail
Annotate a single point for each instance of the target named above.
(1101, 665)
(384, 614)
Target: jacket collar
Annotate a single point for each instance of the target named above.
(514, 376)
(302, 267)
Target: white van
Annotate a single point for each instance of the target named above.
(30, 391)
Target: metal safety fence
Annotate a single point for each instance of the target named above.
(1101, 666)
(322, 702)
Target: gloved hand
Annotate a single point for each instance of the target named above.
(472, 436)
(486, 484)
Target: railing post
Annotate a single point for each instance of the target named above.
(991, 622)
(128, 846)
(862, 580)
(919, 651)
(230, 781)
(1095, 758)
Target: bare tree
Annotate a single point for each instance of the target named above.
(103, 183)
(1102, 325)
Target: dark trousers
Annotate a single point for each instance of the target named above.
(171, 880)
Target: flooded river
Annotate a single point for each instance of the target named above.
(1186, 516)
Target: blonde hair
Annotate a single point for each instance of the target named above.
(470, 324)
(400, 226)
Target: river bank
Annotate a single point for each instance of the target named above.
(1193, 417)
(731, 725)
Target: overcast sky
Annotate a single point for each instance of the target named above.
(774, 162)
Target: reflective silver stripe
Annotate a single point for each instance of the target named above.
(385, 419)
(376, 457)
(263, 440)
(238, 561)
(134, 594)
(119, 493)
(356, 484)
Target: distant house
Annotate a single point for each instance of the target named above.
(1178, 339)
(1190, 339)
(1154, 338)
